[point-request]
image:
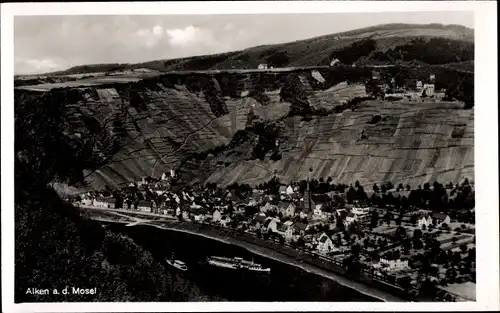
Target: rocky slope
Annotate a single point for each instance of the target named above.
(147, 127)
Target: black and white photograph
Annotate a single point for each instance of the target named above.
(171, 157)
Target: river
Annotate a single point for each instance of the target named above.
(285, 283)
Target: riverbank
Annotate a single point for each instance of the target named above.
(277, 256)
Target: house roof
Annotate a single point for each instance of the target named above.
(283, 205)
(440, 216)
(300, 226)
(424, 215)
(267, 222)
(144, 203)
(259, 218)
(323, 239)
(321, 198)
(194, 210)
(282, 227)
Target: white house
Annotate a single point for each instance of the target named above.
(428, 89)
(287, 208)
(87, 201)
(178, 211)
(199, 217)
(282, 190)
(271, 224)
(144, 206)
(394, 264)
(289, 190)
(252, 202)
(440, 219)
(318, 210)
(334, 62)
(424, 220)
(217, 216)
(325, 244)
(267, 207)
(419, 85)
(289, 232)
(185, 215)
(262, 66)
(350, 218)
(111, 203)
(225, 220)
(360, 211)
(100, 202)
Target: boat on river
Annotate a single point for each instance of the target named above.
(178, 264)
(236, 263)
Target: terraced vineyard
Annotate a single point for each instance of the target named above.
(414, 145)
(161, 121)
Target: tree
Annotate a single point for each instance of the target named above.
(417, 244)
(384, 189)
(375, 188)
(454, 240)
(351, 195)
(463, 248)
(281, 239)
(301, 242)
(413, 219)
(400, 232)
(374, 218)
(389, 185)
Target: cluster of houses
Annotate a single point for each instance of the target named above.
(413, 89)
(290, 214)
(295, 216)
(434, 219)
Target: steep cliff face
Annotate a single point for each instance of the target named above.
(414, 143)
(146, 128)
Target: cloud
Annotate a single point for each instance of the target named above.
(189, 35)
(158, 30)
(27, 65)
(151, 36)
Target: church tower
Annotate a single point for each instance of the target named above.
(307, 195)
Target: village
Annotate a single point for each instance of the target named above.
(398, 233)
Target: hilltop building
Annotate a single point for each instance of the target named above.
(262, 67)
(335, 62)
(428, 89)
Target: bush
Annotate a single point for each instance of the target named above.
(375, 119)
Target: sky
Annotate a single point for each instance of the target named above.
(49, 43)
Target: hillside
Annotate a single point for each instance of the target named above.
(57, 246)
(383, 44)
(147, 127)
(93, 126)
